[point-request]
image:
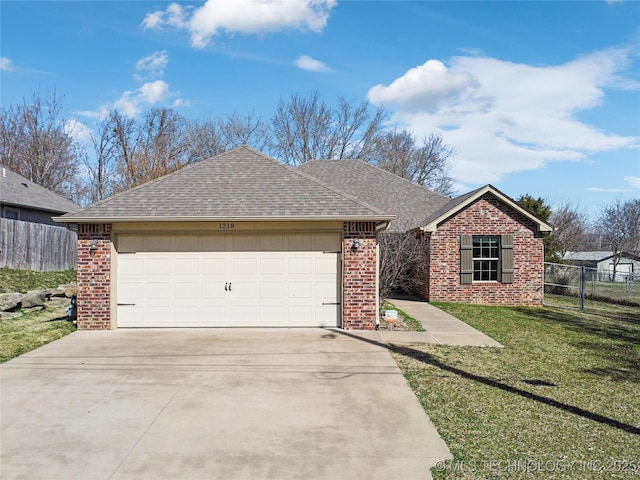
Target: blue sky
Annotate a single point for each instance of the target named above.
(536, 97)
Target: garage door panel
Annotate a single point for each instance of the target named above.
(327, 265)
(326, 291)
(300, 290)
(272, 266)
(130, 265)
(243, 290)
(187, 266)
(187, 290)
(245, 266)
(213, 290)
(158, 265)
(130, 291)
(159, 290)
(272, 289)
(270, 280)
(300, 265)
(214, 266)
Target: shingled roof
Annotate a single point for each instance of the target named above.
(15, 190)
(240, 184)
(408, 201)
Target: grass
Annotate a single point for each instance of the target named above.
(559, 401)
(32, 330)
(25, 280)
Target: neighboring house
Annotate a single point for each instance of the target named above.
(239, 239)
(602, 261)
(483, 247)
(29, 238)
(22, 199)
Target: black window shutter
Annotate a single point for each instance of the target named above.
(506, 257)
(466, 259)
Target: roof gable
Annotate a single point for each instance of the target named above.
(388, 192)
(431, 222)
(239, 184)
(18, 191)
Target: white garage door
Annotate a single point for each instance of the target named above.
(228, 280)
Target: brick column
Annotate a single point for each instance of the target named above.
(94, 276)
(360, 272)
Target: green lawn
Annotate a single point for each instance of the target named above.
(32, 330)
(561, 400)
(24, 280)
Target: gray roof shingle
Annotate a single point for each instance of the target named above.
(18, 191)
(408, 201)
(240, 184)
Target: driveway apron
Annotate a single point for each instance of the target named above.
(212, 403)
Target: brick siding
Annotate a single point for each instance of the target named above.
(359, 291)
(486, 216)
(94, 277)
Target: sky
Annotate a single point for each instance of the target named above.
(539, 98)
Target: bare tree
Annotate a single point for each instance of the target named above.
(148, 148)
(101, 173)
(571, 225)
(34, 143)
(426, 164)
(237, 130)
(404, 258)
(204, 140)
(619, 225)
(307, 128)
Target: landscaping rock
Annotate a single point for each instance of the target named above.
(59, 301)
(9, 315)
(9, 301)
(34, 298)
(70, 289)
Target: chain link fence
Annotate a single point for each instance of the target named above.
(573, 286)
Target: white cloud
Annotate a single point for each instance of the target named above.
(633, 181)
(80, 132)
(6, 65)
(506, 117)
(305, 62)
(153, 64)
(607, 190)
(242, 16)
(425, 87)
(132, 102)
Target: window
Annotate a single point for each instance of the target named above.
(486, 258)
(12, 213)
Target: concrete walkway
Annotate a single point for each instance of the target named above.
(441, 328)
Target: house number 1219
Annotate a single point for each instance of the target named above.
(227, 226)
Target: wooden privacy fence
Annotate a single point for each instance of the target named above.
(36, 246)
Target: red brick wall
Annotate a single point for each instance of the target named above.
(359, 291)
(94, 277)
(486, 216)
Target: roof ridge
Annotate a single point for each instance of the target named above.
(385, 172)
(314, 180)
(342, 193)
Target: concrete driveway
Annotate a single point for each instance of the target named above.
(212, 403)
